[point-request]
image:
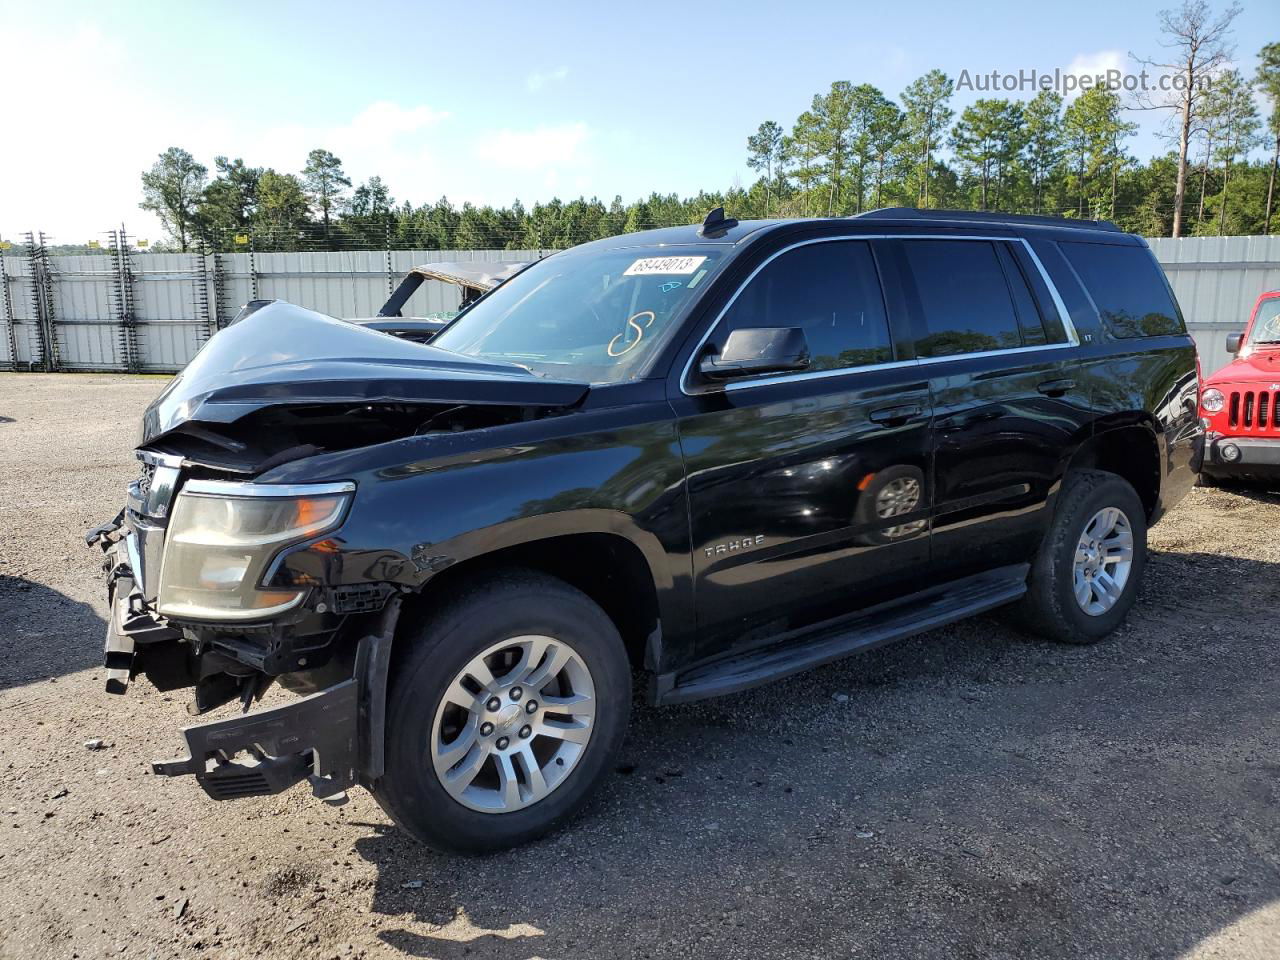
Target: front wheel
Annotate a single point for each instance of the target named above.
(507, 707)
(1085, 577)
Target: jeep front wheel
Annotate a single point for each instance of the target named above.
(507, 707)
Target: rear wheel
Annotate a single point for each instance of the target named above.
(1085, 577)
(507, 707)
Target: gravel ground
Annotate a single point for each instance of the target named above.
(967, 794)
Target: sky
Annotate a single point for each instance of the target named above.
(488, 102)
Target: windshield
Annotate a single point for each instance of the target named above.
(1266, 325)
(594, 316)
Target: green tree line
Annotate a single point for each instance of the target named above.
(853, 149)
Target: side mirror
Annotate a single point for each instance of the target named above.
(751, 351)
(1233, 342)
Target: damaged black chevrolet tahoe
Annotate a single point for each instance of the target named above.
(713, 456)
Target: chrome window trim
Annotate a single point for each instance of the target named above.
(994, 353)
(817, 374)
(1073, 338)
(245, 488)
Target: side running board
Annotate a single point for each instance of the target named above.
(835, 639)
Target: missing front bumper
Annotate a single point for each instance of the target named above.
(333, 737)
(316, 736)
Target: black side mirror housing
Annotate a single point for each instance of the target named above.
(750, 351)
(1233, 342)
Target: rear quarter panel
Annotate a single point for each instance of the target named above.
(1149, 382)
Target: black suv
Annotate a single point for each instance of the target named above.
(716, 454)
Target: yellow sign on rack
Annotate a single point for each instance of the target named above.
(142, 244)
(94, 245)
(5, 245)
(242, 239)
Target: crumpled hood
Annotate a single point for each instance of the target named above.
(1260, 366)
(285, 355)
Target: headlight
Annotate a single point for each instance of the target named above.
(223, 536)
(1212, 400)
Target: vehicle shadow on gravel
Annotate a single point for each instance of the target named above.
(969, 793)
(45, 633)
(1258, 492)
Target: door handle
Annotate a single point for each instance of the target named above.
(1056, 388)
(895, 415)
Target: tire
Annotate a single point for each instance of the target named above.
(479, 816)
(1050, 608)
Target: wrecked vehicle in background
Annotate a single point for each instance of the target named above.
(475, 278)
(719, 454)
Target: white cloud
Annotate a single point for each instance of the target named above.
(542, 148)
(74, 173)
(539, 79)
(384, 139)
(1097, 64)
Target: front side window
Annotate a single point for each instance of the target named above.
(829, 290)
(1126, 286)
(964, 298)
(591, 315)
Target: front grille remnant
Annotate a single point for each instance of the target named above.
(144, 481)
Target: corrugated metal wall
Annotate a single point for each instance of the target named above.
(151, 312)
(1217, 281)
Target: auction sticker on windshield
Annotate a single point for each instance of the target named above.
(648, 266)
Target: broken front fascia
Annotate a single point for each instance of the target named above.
(334, 737)
(279, 384)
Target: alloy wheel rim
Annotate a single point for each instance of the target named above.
(1103, 561)
(513, 724)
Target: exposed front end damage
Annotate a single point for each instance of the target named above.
(333, 649)
(227, 585)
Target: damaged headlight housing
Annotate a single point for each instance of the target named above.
(223, 536)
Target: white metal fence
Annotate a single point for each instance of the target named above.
(151, 312)
(1217, 280)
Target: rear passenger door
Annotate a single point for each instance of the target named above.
(808, 492)
(1006, 405)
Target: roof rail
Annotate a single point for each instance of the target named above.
(913, 213)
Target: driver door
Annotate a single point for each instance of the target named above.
(808, 492)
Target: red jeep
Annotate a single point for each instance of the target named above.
(1241, 402)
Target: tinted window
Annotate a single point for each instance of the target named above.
(829, 290)
(1030, 322)
(1055, 331)
(963, 294)
(1126, 286)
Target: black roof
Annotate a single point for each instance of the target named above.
(978, 216)
(746, 229)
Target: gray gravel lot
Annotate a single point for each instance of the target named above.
(968, 794)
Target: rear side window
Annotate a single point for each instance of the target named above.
(831, 291)
(1127, 288)
(964, 298)
(1030, 321)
